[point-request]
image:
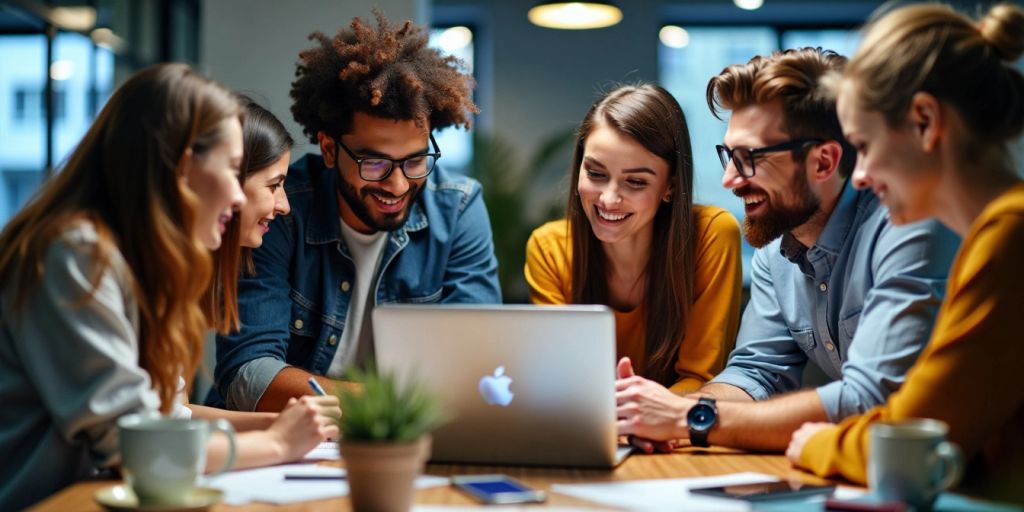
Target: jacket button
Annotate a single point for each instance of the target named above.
(332, 341)
(298, 323)
(345, 286)
(823, 287)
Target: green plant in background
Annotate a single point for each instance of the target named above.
(520, 198)
(380, 409)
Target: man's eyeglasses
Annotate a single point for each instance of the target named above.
(378, 168)
(743, 158)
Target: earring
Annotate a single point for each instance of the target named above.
(667, 198)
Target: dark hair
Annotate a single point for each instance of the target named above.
(385, 72)
(126, 178)
(935, 49)
(265, 141)
(650, 115)
(794, 77)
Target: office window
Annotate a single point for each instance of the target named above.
(691, 57)
(29, 106)
(22, 119)
(83, 74)
(82, 77)
(843, 42)
(456, 143)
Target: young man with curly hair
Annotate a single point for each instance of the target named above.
(374, 219)
(833, 282)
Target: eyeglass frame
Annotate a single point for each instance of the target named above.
(792, 145)
(400, 162)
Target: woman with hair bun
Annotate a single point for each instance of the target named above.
(932, 102)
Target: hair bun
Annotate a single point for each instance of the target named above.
(1003, 29)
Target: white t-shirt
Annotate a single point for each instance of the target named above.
(366, 251)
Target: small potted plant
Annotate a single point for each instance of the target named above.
(385, 439)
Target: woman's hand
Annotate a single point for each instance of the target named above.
(799, 440)
(304, 423)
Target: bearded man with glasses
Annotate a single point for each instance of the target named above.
(832, 281)
(374, 218)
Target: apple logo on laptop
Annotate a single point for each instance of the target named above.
(495, 388)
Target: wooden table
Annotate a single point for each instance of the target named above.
(685, 462)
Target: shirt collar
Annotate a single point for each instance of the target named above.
(832, 237)
(840, 222)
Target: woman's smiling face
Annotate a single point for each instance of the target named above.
(265, 200)
(621, 185)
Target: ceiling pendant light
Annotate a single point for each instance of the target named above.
(575, 15)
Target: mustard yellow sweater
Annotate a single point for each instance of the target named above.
(714, 316)
(969, 375)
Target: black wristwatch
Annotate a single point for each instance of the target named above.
(701, 418)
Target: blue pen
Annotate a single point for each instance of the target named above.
(316, 387)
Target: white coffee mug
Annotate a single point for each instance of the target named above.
(162, 458)
(911, 461)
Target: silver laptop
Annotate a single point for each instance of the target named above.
(527, 385)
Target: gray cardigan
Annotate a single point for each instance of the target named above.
(68, 370)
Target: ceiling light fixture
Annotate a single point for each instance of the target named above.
(79, 19)
(575, 15)
(749, 5)
(674, 36)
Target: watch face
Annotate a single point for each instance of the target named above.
(701, 417)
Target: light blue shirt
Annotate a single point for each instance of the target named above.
(860, 304)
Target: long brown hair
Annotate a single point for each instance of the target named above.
(265, 141)
(651, 116)
(126, 177)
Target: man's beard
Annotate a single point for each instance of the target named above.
(777, 220)
(357, 202)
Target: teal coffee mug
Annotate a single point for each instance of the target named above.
(162, 458)
(911, 461)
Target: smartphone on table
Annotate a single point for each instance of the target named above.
(767, 491)
(497, 489)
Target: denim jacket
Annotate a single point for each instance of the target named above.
(293, 310)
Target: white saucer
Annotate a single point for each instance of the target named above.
(119, 498)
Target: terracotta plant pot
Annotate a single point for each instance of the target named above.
(381, 474)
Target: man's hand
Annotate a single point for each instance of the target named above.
(800, 437)
(648, 410)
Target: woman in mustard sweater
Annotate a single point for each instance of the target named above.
(634, 240)
(931, 101)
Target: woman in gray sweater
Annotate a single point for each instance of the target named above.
(101, 280)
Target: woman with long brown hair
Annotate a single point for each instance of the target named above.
(264, 168)
(102, 277)
(634, 240)
(933, 103)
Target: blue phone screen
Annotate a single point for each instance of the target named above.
(495, 487)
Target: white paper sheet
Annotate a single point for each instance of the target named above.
(269, 484)
(664, 494)
(493, 508)
(327, 450)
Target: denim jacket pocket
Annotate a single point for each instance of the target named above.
(426, 299)
(304, 321)
(415, 297)
(804, 339)
(848, 325)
